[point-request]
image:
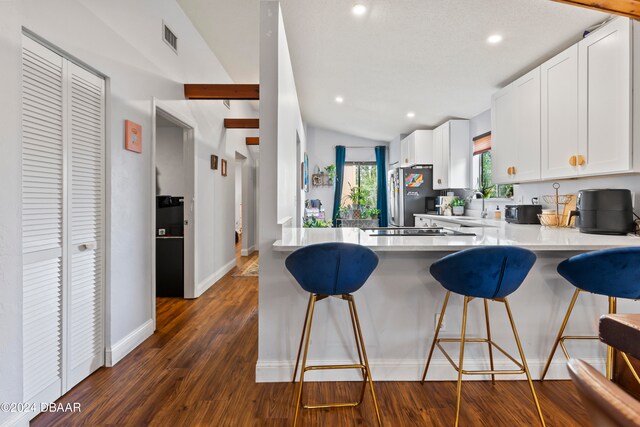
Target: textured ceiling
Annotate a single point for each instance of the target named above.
(425, 56)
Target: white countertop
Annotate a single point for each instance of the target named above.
(534, 237)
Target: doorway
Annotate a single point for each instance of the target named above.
(241, 238)
(173, 223)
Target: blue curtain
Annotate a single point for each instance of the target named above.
(337, 196)
(381, 167)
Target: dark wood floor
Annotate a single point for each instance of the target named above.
(198, 369)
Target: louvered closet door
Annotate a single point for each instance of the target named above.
(62, 218)
(85, 223)
(42, 220)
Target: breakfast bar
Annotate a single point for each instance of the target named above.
(401, 301)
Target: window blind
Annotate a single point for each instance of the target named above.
(482, 143)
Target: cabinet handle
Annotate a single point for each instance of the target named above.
(513, 170)
(439, 181)
(573, 160)
(581, 160)
(509, 170)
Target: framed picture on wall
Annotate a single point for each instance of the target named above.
(302, 175)
(132, 136)
(223, 167)
(214, 162)
(305, 173)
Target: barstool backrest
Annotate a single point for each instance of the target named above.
(611, 272)
(332, 268)
(484, 272)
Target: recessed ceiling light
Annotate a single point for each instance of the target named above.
(411, 114)
(494, 39)
(339, 99)
(359, 9)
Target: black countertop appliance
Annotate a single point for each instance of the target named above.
(522, 214)
(604, 211)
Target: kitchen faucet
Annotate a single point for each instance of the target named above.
(476, 194)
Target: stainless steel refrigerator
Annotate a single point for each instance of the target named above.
(411, 192)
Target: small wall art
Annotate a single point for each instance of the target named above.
(214, 162)
(223, 167)
(305, 173)
(132, 136)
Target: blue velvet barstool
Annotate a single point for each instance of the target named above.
(490, 273)
(332, 270)
(614, 273)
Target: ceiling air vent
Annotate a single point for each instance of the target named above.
(169, 37)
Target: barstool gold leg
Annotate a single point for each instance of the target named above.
(304, 327)
(524, 361)
(486, 317)
(459, 389)
(358, 346)
(560, 332)
(611, 353)
(435, 337)
(312, 303)
(366, 361)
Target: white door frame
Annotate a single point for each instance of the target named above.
(190, 236)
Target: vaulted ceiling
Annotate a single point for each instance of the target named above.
(429, 57)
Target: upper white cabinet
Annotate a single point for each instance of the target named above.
(515, 140)
(604, 114)
(559, 79)
(451, 155)
(394, 150)
(417, 149)
(572, 116)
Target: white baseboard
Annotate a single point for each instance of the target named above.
(247, 252)
(18, 419)
(212, 279)
(123, 347)
(410, 370)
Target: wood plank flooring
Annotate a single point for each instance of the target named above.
(198, 369)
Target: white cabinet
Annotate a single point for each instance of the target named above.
(417, 149)
(394, 150)
(605, 91)
(452, 155)
(559, 144)
(516, 130)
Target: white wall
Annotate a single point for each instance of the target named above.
(321, 145)
(238, 189)
(169, 161)
(112, 38)
(280, 119)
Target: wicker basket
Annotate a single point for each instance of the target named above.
(554, 220)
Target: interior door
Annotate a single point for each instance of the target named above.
(42, 220)
(86, 223)
(63, 222)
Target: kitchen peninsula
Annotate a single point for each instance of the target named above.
(399, 304)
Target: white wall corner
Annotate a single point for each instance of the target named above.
(247, 252)
(212, 279)
(123, 347)
(19, 419)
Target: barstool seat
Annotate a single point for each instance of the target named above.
(491, 273)
(332, 270)
(614, 273)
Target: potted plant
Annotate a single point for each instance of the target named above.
(344, 212)
(331, 171)
(314, 222)
(359, 197)
(457, 206)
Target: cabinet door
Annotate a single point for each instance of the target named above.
(605, 100)
(527, 132)
(503, 148)
(439, 175)
(460, 152)
(407, 151)
(559, 104)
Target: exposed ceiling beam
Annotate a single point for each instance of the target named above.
(241, 123)
(253, 140)
(629, 8)
(211, 91)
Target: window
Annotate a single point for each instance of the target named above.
(363, 175)
(482, 170)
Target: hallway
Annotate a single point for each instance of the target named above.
(198, 370)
